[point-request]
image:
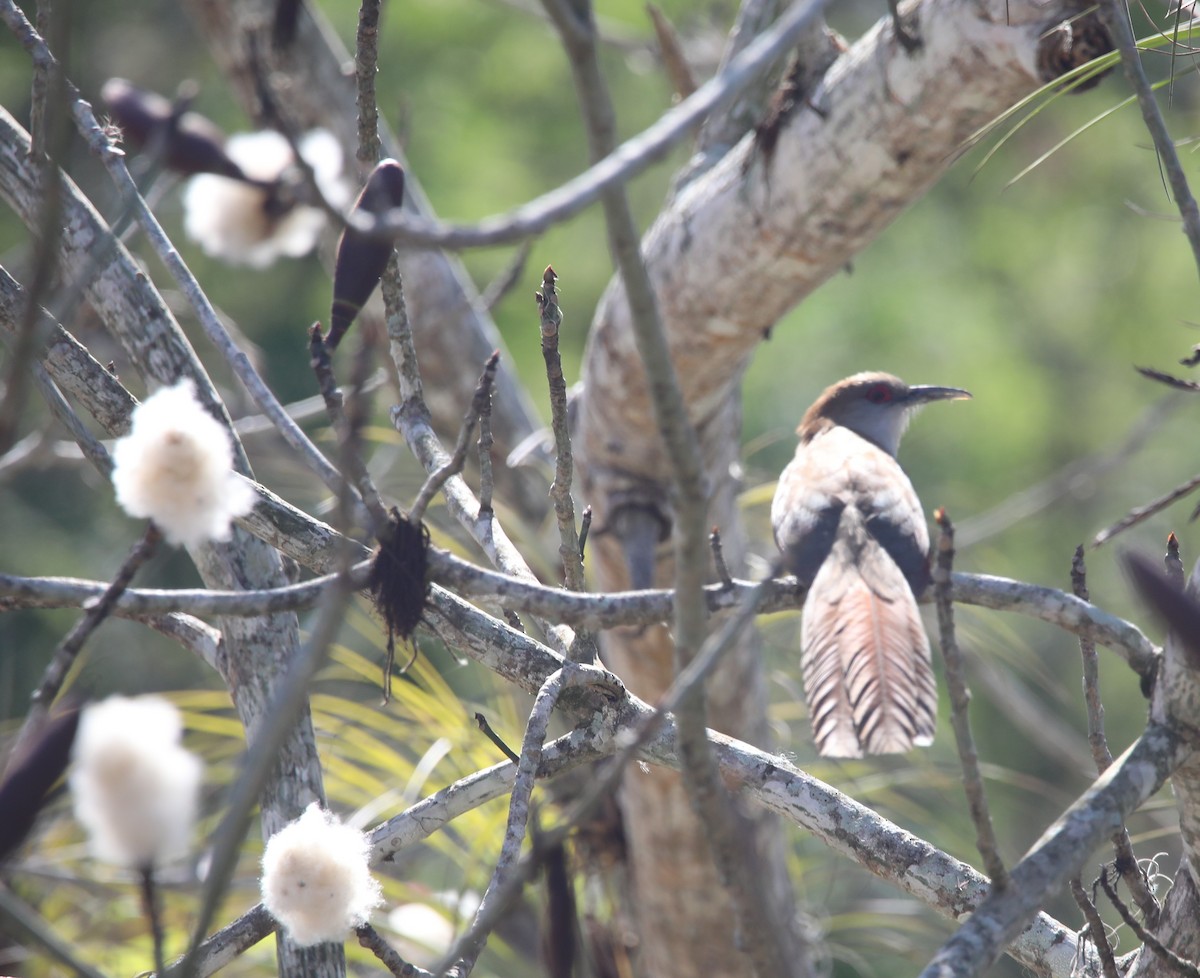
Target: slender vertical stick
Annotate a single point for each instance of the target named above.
(960, 697)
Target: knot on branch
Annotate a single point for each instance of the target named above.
(1071, 44)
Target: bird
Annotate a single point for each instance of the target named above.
(850, 527)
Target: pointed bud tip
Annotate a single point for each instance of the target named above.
(384, 188)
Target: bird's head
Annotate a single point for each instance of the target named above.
(875, 405)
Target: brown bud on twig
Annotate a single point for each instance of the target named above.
(187, 142)
(362, 259)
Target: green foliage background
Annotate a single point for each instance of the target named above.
(1039, 297)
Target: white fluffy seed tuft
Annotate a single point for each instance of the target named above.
(242, 224)
(176, 467)
(135, 787)
(316, 878)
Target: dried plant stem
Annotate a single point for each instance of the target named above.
(960, 697)
(366, 64)
(569, 549)
(373, 941)
(454, 465)
(467, 950)
(718, 556)
(564, 463)
(348, 426)
(153, 911)
(1095, 928)
(412, 418)
(487, 482)
(482, 722)
(69, 648)
(1172, 960)
(1127, 862)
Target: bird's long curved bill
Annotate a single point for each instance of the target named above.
(924, 394)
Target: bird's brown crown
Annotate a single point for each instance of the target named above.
(875, 405)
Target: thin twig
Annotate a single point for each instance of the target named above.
(347, 431)
(718, 556)
(1095, 927)
(1168, 957)
(467, 950)
(585, 526)
(570, 553)
(366, 64)
(26, 925)
(454, 465)
(1141, 513)
(560, 489)
(482, 722)
(670, 49)
(487, 481)
(412, 418)
(153, 912)
(388, 956)
(1126, 862)
(91, 447)
(960, 696)
(68, 649)
(508, 278)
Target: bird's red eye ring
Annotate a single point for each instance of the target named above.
(879, 394)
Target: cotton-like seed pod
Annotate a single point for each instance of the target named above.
(361, 259)
(176, 467)
(135, 787)
(316, 878)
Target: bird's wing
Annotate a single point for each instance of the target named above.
(804, 515)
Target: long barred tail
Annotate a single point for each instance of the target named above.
(865, 659)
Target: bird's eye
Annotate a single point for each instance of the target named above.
(879, 394)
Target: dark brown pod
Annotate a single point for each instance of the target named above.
(362, 259)
(31, 775)
(189, 143)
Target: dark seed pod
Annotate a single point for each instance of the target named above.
(30, 777)
(189, 143)
(362, 259)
